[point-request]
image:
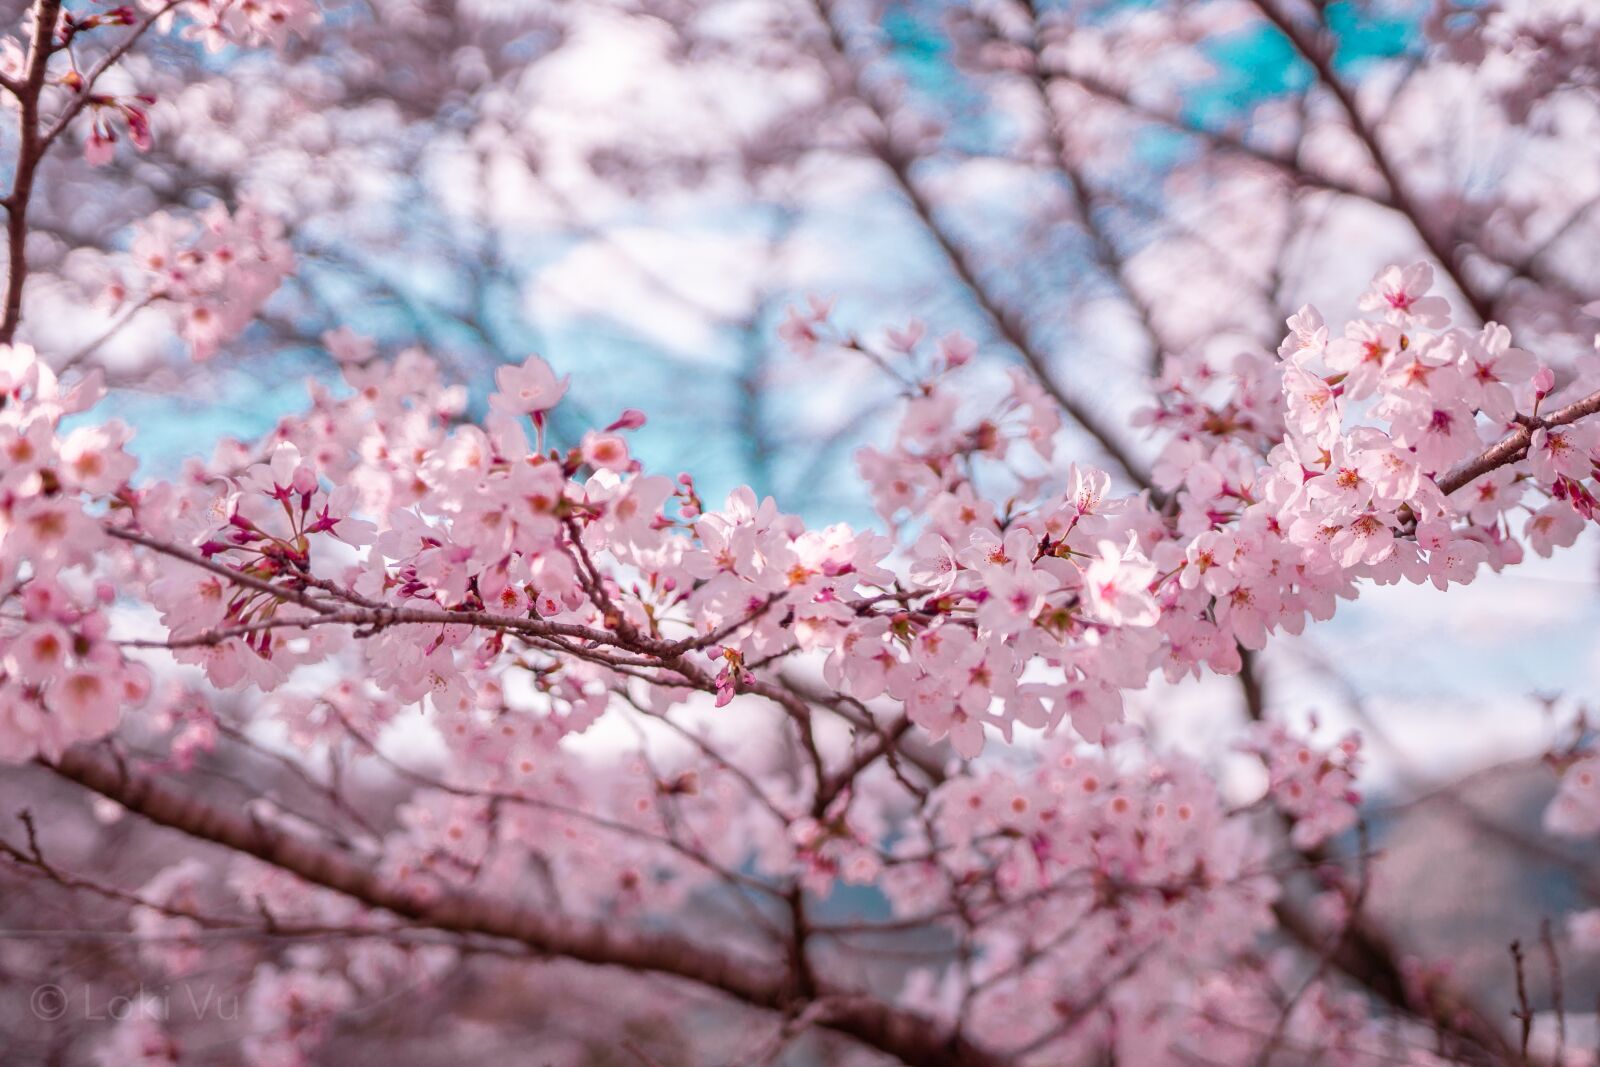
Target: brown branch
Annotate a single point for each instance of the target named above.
(33, 143)
(1557, 989)
(29, 151)
(237, 577)
(1514, 447)
(908, 1037)
(881, 746)
(1524, 1010)
(87, 83)
(373, 614)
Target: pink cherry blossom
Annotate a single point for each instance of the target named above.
(530, 389)
(1402, 294)
(1117, 583)
(396, 706)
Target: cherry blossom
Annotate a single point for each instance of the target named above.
(212, 273)
(481, 684)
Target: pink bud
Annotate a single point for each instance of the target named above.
(907, 339)
(1544, 381)
(631, 419)
(138, 127)
(97, 151)
(957, 350)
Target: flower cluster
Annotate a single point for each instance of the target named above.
(1282, 508)
(1087, 873)
(1312, 786)
(213, 273)
(62, 680)
(215, 23)
(1575, 811)
(250, 23)
(458, 549)
(1284, 482)
(469, 691)
(520, 590)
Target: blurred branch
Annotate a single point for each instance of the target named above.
(903, 1035)
(1106, 254)
(1319, 54)
(1364, 952)
(1005, 320)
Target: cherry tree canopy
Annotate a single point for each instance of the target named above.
(435, 704)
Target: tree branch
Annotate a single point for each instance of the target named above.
(29, 151)
(1006, 321)
(1321, 60)
(1514, 446)
(910, 1038)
